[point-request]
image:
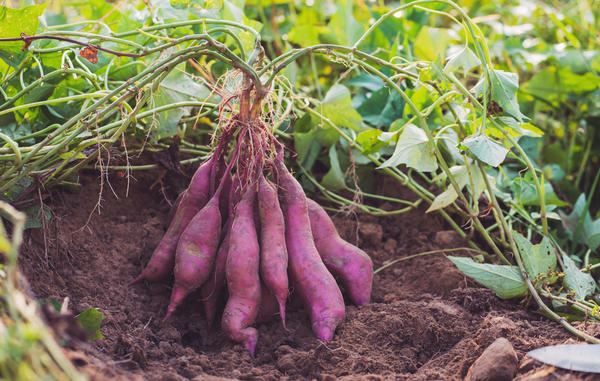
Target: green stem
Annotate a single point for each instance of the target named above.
(424, 253)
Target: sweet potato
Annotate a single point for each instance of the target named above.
(269, 306)
(195, 197)
(174, 208)
(321, 295)
(241, 271)
(196, 252)
(273, 252)
(213, 288)
(346, 261)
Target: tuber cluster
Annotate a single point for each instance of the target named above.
(244, 228)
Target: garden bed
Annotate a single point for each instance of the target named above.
(426, 319)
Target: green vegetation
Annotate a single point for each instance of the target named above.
(489, 113)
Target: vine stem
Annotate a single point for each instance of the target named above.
(424, 253)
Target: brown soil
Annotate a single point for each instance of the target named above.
(426, 321)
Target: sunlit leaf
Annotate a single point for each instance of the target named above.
(334, 178)
(413, 150)
(337, 107)
(582, 284)
(485, 149)
(506, 281)
(465, 177)
(464, 59)
(13, 22)
(90, 320)
(504, 86)
(431, 43)
(343, 24)
(537, 259)
(369, 140)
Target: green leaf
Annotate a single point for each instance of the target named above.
(581, 283)
(590, 230)
(176, 87)
(462, 178)
(382, 108)
(519, 129)
(306, 35)
(505, 281)
(464, 59)
(182, 83)
(537, 259)
(34, 216)
(90, 320)
(413, 150)
(443, 199)
(432, 43)
(306, 30)
(527, 195)
(343, 25)
(369, 140)
(305, 144)
(366, 81)
(551, 83)
(165, 123)
(485, 149)
(334, 179)
(337, 106)
(504, 86)
(13, 22)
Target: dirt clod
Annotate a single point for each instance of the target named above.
(497, 363)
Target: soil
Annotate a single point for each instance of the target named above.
(426, 321)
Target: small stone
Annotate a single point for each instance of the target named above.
(448, 238)
(370, 232)
(390, 245)
(497, 363)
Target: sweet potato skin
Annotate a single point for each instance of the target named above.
(316, 286)
(352, 265)
(273, 251)
(269, 306)
(214, 286)
(242, 273)
(192, 200)
(196, 251)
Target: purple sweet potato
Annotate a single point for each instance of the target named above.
(269, 306)
(241, 271)
(174, 208)
(196, 252)
(321, 295)
(352, 265)
(213, 288)
(273, 252)
(195, 197)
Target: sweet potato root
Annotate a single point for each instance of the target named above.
(343, 259)
(213, 288)
(196, 252)
(273, 251)
(321, 295)
(241, 270)
(195, 197)
(266, 245)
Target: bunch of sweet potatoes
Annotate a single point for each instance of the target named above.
(244, 228)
